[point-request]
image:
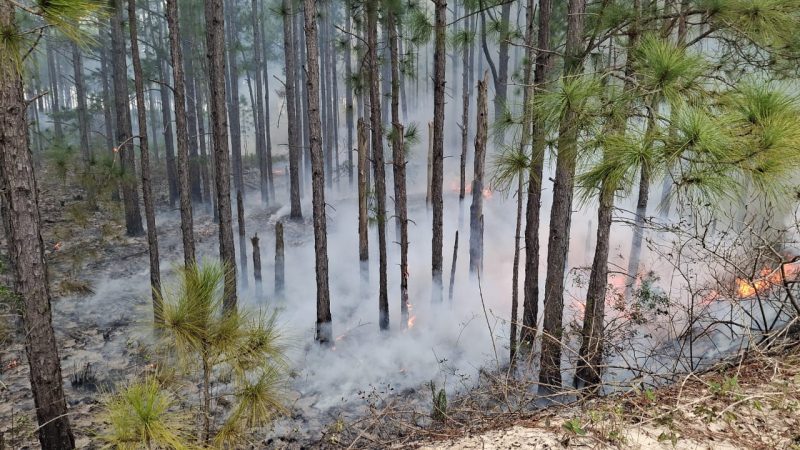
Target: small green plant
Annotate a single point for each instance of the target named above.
(574, 426)
(143, 415)
(728, 385)
(240, 352)
(439, 411)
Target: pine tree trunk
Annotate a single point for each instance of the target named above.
(242, 238)
(324, 334)
(80, 93)
(399, 157)
(292, 116)
(476, 209)
(20, 211)
(453, 269)
(349, 110)
(437, 178)
(378, 160)
(55, 93)
(466, 88)
(195, 179)
(108, 108)
(280, 262)
(530, 303)
(215, 46)
(261, 146)
(501, 87)
(527, 129)
(130, 194)
(203, 160)
(179, 91)
(233, 98)
(363, 214)
(257, 265)
(169, 146)
(590, 356)
(266, 119)
(561, 211)
(147, 189)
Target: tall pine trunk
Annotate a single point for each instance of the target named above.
(80, 94)
(378, 160)
(130, 195)
(437, 168)
(561, 210)
(233, 99)
(363, 213)
(324, 334)
(260, 132)
(147, 189)
(530, 303)
(291, 113)
(20, 211)
(215, 46)
(476, 209)
(398, 155)
(182, 133)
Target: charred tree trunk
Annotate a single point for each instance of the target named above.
(439, 61)
(561, 211)
(266, 118)
(453, 269)
(292, 117)
(476, 209)
(363, 214)
(501, 85)
(466, 89)
(130, 195)
(530, 304)
(179, 90)
(257, 265)
(377, 159)
(215, 46)
(20, 211)
(144, 151)
(242, 238)
(280, 262)
(324, 334)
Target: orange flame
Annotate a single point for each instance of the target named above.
(767, 279)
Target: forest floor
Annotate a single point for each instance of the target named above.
(753, 403)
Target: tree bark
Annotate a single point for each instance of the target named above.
(242, 237)
(324, 334)
(55, 93)
(439, 61)
(144, 151)
(257, 265)
(20, 211)
(561, 211)
(280, 262)
(261, 145)
(130, 195)
(80, 94)
(179, 91)
(192, 118)
(476, 209)
(530, 305)
(292, 117)
(378, 160)
(215, 46)
(453, 269)
(501, 86)
(363, 214)
(233, 98)
(349, 110)
(399, 157)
